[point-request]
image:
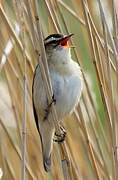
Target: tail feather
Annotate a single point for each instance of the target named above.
(47, 163)
(47, 134)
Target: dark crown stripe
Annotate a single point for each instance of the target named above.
(55, 36)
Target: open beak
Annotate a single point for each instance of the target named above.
(64, 40)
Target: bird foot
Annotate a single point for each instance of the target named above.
(47, 110)
(60, 137)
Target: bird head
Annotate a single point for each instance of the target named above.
(57, 48)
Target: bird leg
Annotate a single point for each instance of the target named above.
(48, 109)
(60, 137)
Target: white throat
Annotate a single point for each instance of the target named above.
(60, 56)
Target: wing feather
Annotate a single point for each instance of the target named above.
(39, 100)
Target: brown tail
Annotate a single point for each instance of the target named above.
(47, 134)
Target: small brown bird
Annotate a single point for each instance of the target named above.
(67, 87)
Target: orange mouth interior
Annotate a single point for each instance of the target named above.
(64, 42)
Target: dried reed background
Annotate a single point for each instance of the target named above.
(91, 143)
